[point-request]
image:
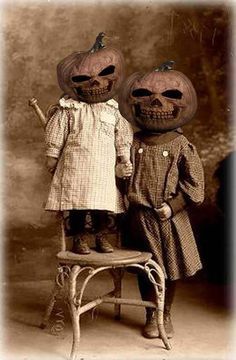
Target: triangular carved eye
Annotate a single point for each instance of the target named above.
(107, 71)
(172, 94)
(141, 92)
(80, 78)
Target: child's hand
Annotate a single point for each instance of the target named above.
(51, 164)
(124, 170)
(164, 212)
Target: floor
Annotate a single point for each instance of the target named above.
(201, 320)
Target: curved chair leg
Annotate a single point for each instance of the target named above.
(150, 268)
(117, 275)
(76, 336)
(75, 302)
(50, 306)
(75, 315)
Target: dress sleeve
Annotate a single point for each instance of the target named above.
(123, 137)
(56, 132)
(191, 175)
(177, 203)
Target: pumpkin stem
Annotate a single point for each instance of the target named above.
(167, 65)
(98, 43)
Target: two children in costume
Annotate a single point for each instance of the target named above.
(87, 138)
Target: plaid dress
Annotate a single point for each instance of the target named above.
(86, 139)
(166, 168)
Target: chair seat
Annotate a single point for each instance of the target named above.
(118, 258)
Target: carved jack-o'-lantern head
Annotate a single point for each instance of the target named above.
(158, 101)
(92, 76)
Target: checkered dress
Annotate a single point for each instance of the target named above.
(169, 171)
(86, 139)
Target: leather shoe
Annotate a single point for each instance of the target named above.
(150, 329)
(102, 244)
(80, 246)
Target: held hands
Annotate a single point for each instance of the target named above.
(51, 164)
(164, 212)
(124, 170)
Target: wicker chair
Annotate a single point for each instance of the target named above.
(70, 266)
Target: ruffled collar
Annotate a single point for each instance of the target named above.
(69, 103)
(73, 104)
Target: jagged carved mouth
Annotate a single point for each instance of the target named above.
(94, 91)
(150, 114)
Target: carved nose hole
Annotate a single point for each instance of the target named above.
(156, 102)
(94, 83)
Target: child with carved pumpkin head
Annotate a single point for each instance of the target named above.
(167, 178)
(85, 137)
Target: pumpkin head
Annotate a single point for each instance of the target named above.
(92, 76)
(158, 101)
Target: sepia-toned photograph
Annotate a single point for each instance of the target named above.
(118, 158)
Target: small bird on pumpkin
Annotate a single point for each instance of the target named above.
(98, 43)
(167, 65)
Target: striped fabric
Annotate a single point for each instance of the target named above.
(86, 139)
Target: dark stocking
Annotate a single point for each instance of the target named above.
(169, 294)
(100, 220)
(77, 221)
